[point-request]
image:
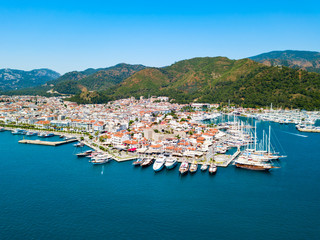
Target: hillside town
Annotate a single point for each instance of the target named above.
(128, 129)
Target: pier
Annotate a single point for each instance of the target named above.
(47, 143)
(230, 159)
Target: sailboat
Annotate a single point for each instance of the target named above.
(254, 159)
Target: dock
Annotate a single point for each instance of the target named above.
(230, 159)
(47, 143)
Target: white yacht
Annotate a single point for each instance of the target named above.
(159, 163)
(171, 162)
(204, 167)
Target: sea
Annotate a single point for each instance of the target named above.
(48, 193)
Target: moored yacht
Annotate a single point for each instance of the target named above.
(138, 162)
(31, 133)
(19, 132)
(184, 167)
(204, 167)
(79, 144)
(159, 163)
(84, 154)
(171, 162)
(193, 167)
(147, 162)
(212, 168)
(100, 159)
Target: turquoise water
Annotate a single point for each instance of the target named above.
(48, 193)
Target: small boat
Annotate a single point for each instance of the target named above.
(19, 132)
(80, 144)
(138, 162)
(193, 167)
(69, 138)
(212, 168)
(93, 154)
(204, 167)
(171, 162)
(159, 163)
(147, 162)
(184, 167)
(45, 135)
(30, 133)
(84, 154)
(62, 136)
(100, 159)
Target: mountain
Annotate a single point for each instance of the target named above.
(93, 79)
(217, 80)
(305, 60)
(16, 79)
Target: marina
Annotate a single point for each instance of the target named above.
(117, 187)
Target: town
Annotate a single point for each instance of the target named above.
(153, 128)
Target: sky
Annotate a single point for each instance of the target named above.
(76, 35)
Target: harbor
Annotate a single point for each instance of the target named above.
(40, 175)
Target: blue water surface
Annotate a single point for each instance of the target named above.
(48, 193)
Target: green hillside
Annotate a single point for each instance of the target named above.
(94, 79)
(244, 82)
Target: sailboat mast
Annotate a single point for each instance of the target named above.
(255, 136)
(269, 138)
(263, 141)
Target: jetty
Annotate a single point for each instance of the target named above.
(230, 159)
(47, 143)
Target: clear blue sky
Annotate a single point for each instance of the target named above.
(75, 35)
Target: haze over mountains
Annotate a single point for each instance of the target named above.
(278, 77)
(16, 79)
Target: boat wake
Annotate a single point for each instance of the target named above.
(299, 135)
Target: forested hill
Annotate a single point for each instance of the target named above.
(94, 79)
(16, 79)
(306, 60)
(217, 80)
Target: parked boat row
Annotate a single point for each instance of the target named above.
(31, 133)
(171, 162)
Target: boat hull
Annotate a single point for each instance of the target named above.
(254, 168)
(172, 166)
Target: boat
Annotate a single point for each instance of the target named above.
(250, 164)
(204, 167)
(30, 133)
(159, 163)
(84, 154)
(69, 138)
(45, 135)
(62, 136)
(147, 162)
(100, 159)
(212, 168)
(171, 162)
(193, 167)
(19, 132)
(138, 162)
(184, 167)
(79, 144)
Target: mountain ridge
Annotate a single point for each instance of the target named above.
(11, 79)
(306, 60)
